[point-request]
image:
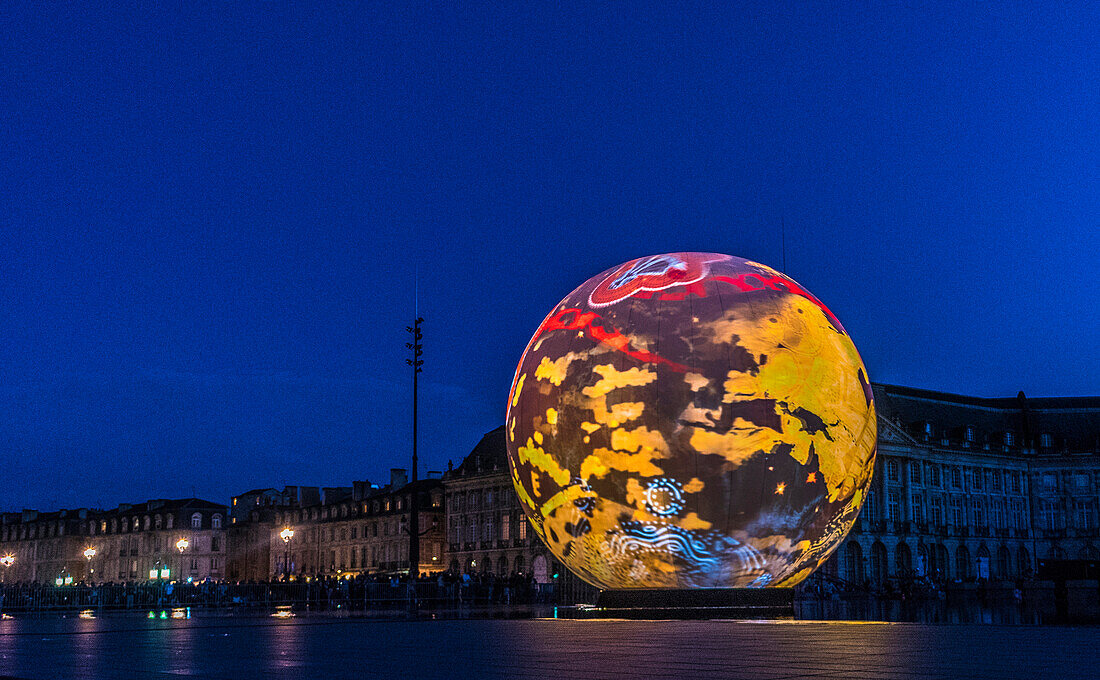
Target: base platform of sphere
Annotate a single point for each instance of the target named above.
(688, 603)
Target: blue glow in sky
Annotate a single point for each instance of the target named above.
(210, 219)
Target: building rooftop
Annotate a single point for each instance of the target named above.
(1071, 423)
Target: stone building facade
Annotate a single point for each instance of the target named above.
(44, 546)
(252, 516)
(487, 531)
(969, 488)
(131, 543)
(360, 530)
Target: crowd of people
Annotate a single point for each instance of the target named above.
(320, 593)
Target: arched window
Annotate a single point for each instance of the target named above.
(830, 566)
(1023, 560)
(157, 521)
(519, 564)
(502, 566)
(982, 563)
(196, 520)
(148, 523)
(216, 522)
(962, 563)
(1004, 563)
(903, 560)
(853, 563)
(137, 523)
(878, 562)
(171, 521)
(540, 570)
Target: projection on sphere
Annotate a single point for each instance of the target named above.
(691, 420)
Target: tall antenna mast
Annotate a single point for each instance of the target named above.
(417, 349)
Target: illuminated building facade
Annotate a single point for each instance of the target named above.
(252, 517)
(487, 532)
(131, 543)
(359, 530)
(969, 488)
(45, 545)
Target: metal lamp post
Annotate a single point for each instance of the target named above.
(89, 553)
(286, 534)
(417, 349)
(181, 545)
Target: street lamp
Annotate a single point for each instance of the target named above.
(7, 561)
(89, 553)
(286, 534)
(181, 545)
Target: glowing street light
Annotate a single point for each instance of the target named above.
(89, 553)
(7, 561)
(286, 534)
(182, 545)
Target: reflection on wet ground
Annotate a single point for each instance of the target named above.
(301, 645)
(929, 610)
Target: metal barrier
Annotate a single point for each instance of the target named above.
(315, 595)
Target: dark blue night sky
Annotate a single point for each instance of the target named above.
(210, 219)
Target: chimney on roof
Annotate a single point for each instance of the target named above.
(399, 477)
(1025, 421)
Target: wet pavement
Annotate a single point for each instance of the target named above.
(319, 646)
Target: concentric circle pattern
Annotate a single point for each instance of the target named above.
(691, 420)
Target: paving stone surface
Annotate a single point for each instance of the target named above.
(320, 647)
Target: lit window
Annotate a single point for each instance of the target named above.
(196, 520)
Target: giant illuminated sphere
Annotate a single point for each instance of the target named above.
(691, 420)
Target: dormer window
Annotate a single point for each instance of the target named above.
(1045, 440)
(1009, 439)
(968, 434)
(928, 430)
